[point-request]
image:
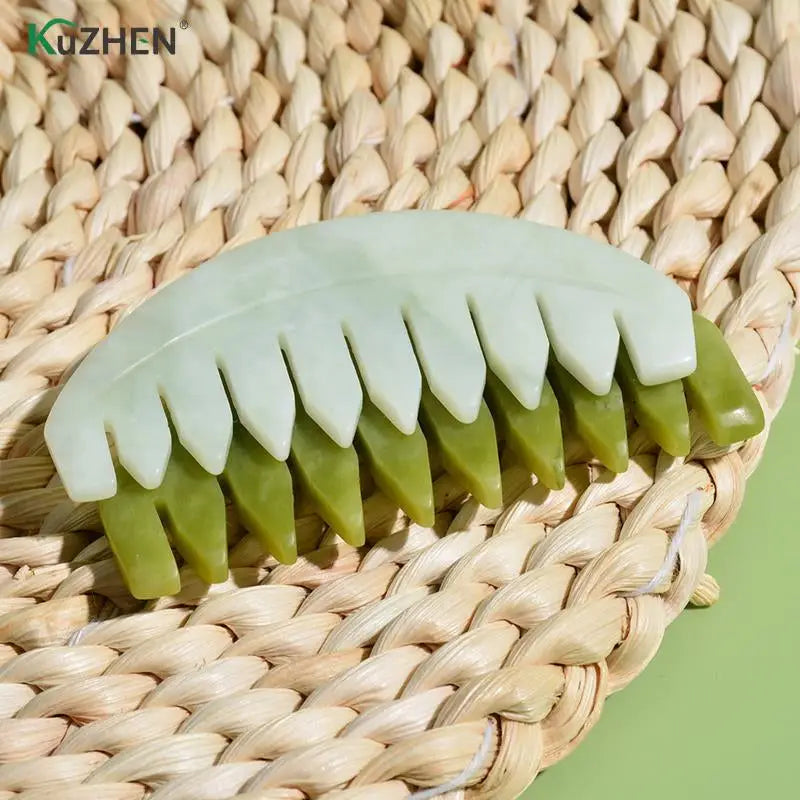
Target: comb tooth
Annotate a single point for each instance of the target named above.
(326, 379)
(329, 475)
(198, 406)
(262, 393)
(387, 365)
(599, 421)
(138, 541)
(583, 335)
(719, 391)
(141, 433)
(261, 489)
(660, 340)
(450, 354)
(399, 464)
(195, 507)
(661, 410)
(514, 339)
(77, 443)
(469, 450)
(534, 435)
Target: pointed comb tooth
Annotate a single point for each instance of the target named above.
(195, 507)
(399, 464)
(329, 475)
(261, 391)
(141, 434)
(719, 391)
(387, 364)
(195, 396)
(660, 341)
(661, 410)
(583, 335)
(533, 435)
(326, 379)
(261, 489)
(76, 439)
(449, 352)
(468, 450)
(144, 558)
(599, 421)
(514, 340)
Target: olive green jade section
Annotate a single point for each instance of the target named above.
(193, 506)
(533, 435)
(468, 450)
(399, 463)
(719, 391)
(661, 410)
(260, 487)
(598, 420)
(137, 540)
(192, 501)
(329, 476)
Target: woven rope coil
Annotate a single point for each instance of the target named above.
(668, 128)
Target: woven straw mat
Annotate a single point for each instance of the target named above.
(467, 657)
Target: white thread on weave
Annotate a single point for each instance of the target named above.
(459, 780)
(784, 342)
(135, 118)
(75, 638)
(690, 515)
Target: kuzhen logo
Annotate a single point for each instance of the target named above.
(96, 41)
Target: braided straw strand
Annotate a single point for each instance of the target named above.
(458, 660)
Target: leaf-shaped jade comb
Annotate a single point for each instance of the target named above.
(366, 340)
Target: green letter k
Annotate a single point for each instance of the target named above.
(37, 37)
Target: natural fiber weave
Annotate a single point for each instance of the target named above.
(668, 128)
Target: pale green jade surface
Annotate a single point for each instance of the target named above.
(374, 278)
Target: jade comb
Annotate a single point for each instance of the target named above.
(292, 363)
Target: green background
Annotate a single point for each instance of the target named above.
(716, 714)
